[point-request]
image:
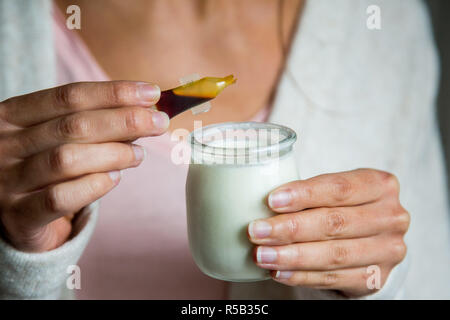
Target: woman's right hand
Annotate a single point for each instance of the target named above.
(63, 148)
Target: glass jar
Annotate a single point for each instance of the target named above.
(233, 168)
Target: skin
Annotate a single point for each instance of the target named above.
(62, 149)
(332, 227)
(214, 37)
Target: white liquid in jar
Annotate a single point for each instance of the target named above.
(221, 201)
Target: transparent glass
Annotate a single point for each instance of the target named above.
(233, 168)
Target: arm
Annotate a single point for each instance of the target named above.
(62, 149)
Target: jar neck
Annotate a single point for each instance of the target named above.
(241, 143)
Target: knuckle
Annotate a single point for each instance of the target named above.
(338, 255)
(72, 127)
(67, 96)
(61, 158)
(122, 156)
(7, 113)
(116, 156)
(334, 223)
(304, 192)
(120, 91)
(293, 226)
(328, 279)
(298, 256)
(133, 120)
(99, 185)
(401, 219)
(302, 278)
(390, 182)
(342, 188)
(54, 200)
(399, 249)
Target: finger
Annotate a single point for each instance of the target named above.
(354, 282)
(329, 255)
(40, 208)
(70, 161)
(122, 124)
(333, 190)
(328, 224)
(34, 108)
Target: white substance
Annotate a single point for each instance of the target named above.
(221, 201)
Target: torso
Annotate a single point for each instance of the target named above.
(162, 41)
(356, 107)
(141, 235)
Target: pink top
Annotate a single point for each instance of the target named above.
(140, 247)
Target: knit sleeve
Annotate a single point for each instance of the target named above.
(44, 275)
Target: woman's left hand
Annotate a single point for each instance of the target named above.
(331, 229)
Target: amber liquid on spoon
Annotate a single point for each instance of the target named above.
(185, 97)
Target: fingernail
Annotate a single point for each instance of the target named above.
(283, 274)
(160, 120)
(139, 153)
(266, 255)
(115, 176)
(148, 93)
(280, 199)
(259, 229)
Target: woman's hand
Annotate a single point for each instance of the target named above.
(330, 229)
(63, 148)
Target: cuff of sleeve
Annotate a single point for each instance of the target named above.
(43, 275)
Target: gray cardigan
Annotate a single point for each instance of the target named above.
(357, 98)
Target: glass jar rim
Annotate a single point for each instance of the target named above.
(287, 138)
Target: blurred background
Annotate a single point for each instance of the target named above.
(440, 10)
